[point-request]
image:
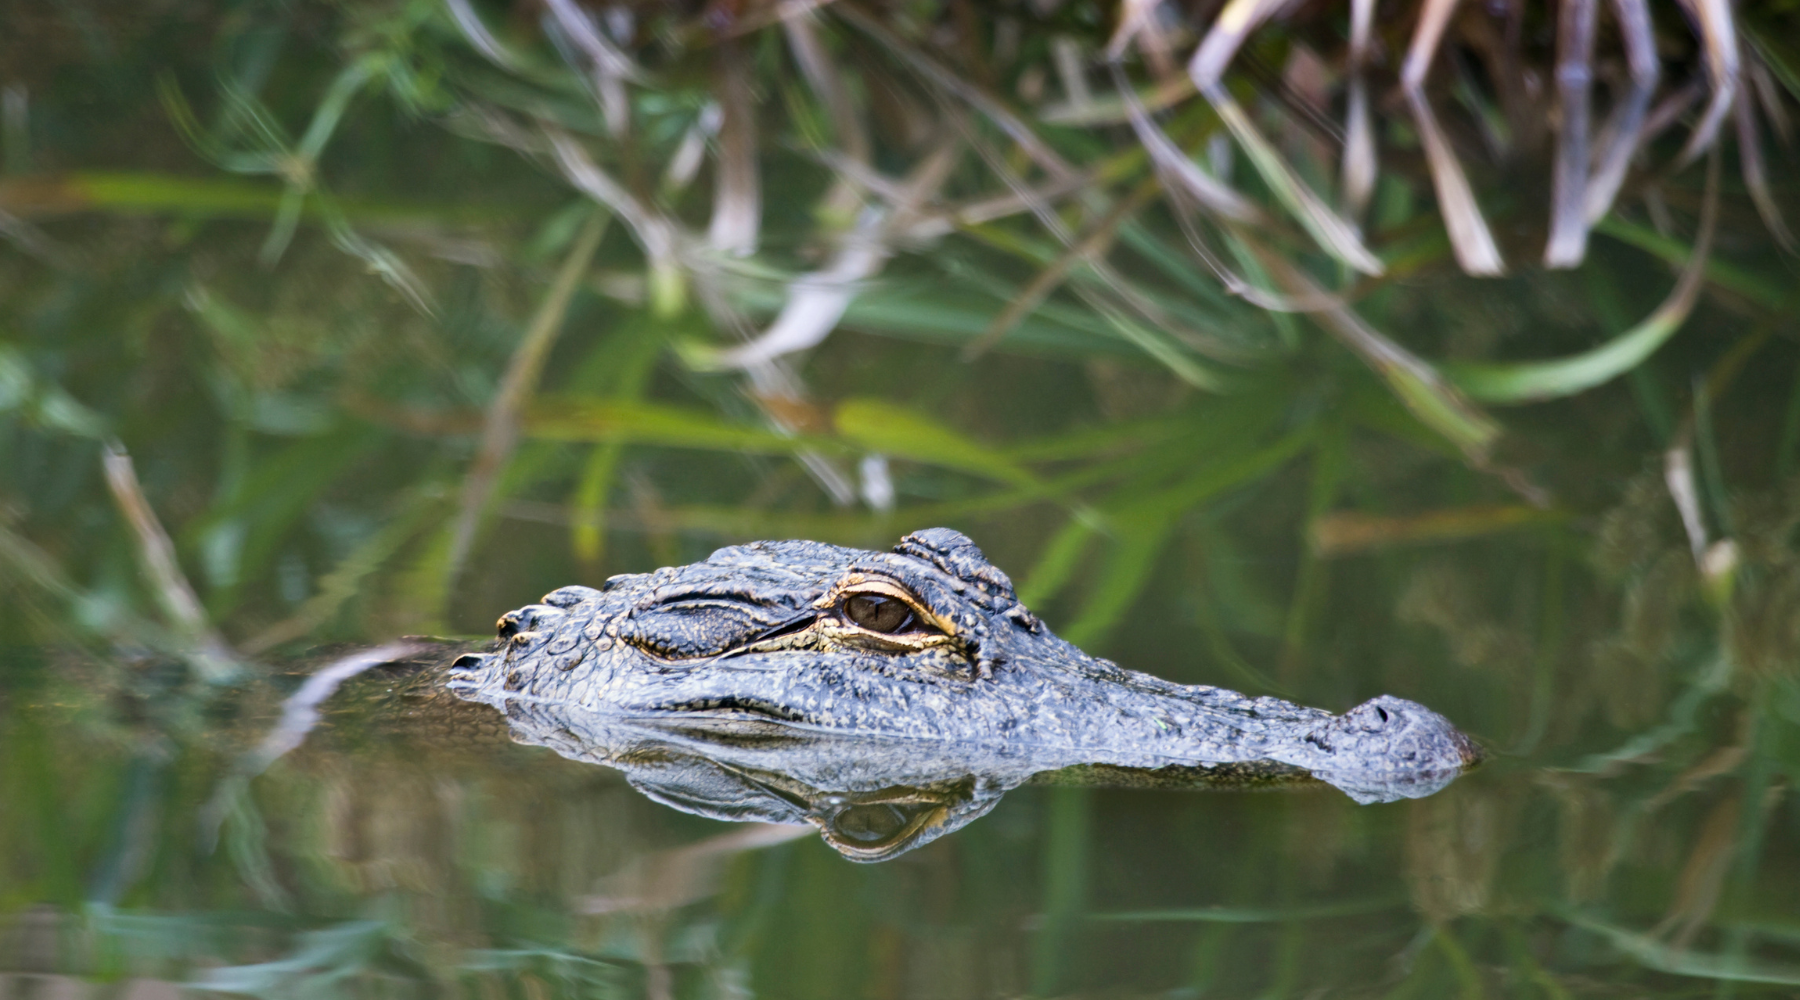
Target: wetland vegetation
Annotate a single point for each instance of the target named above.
(1347, 348)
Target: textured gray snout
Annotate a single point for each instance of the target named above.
(1401, 749)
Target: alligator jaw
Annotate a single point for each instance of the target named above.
(1067, 711)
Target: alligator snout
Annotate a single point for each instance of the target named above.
(1393, 734)
(1388, 748)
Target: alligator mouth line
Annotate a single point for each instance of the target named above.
(798, 623)
(733, 707)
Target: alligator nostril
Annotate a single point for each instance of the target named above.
(508, 624)
(1382, 713)
(468, 661)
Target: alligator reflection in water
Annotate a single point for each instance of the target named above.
(874, 797)
(891, 697)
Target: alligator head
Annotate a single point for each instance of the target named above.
(927, 643)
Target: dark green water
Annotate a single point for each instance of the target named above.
(286, 258)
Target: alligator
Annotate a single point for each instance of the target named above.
(793, 680)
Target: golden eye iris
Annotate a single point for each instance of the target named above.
(878, 614)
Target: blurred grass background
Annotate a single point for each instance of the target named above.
(407, 313)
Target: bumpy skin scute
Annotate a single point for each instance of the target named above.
(678, 643)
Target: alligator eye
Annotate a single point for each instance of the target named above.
(878, 614)
(871, 831)
(871, 824)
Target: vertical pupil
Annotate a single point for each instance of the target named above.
(878, 614)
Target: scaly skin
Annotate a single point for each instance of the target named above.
(767, 632)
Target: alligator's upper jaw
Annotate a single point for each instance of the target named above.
(1061, 711)
(1383, 750)
(1061, 715)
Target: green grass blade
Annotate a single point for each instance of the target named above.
(338, 587)
(1139, 544)
(1663, 957)
(1057, 564)
(596, 421)
(1436, 402)
(1067, 845)
(1533, 381)
(1333, 234)
(1143, 529)
(1166, 352)
(150, 193)
(1765, 292)
(882, 427)
(1250, 914)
